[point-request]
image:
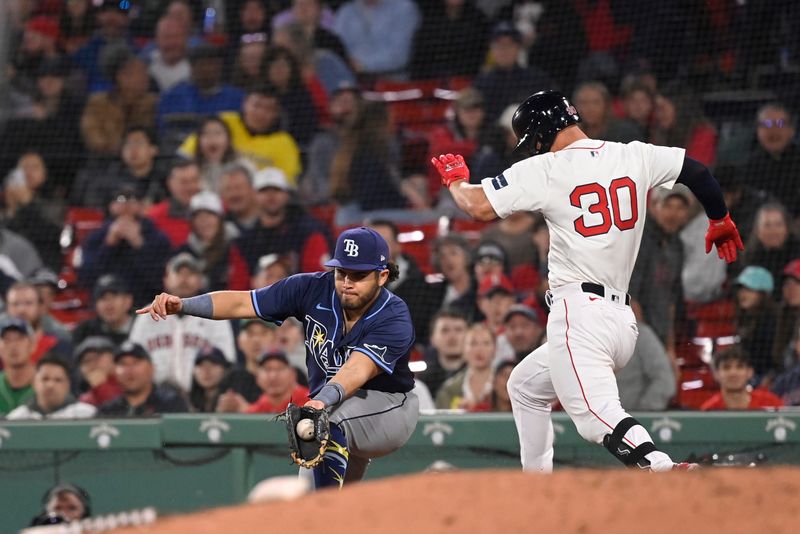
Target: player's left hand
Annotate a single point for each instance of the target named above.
(316, 404)
(451, 168)
(723, 234)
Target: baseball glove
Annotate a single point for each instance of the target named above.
(307, 453)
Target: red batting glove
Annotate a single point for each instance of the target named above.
(451, 168)
(723, 234)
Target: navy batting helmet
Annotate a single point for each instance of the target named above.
(539, 119)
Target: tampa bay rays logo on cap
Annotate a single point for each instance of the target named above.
(351, 248)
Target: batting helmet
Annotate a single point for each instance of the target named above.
(539, 119)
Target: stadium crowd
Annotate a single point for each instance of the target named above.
(185, 146)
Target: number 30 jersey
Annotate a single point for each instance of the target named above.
(593, 195)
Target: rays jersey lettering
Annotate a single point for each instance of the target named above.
(384, 334)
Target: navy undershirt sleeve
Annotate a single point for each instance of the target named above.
(698, 179)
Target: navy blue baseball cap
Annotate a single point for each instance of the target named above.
(360, 249)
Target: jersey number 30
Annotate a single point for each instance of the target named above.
(609, 214)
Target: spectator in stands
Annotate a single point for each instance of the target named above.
(38, 44)
(513, 235)
(490, 260)
(239, 196)
(239, 388)
(315, 185)
(704, 277)
(28, 213)
(18, 258)
(213, 152)
(638, 104)
(463, 133)
(496, 155)
(788, 316)
(774, 163)
(451, 41)
(94, 357)
(211, 243)
(471, 388)
(523, 329)
(249, 58)
(210, 367)
(283, 227)
(742, 199)
(111, 24)
(410, 274)
(75, 25)
(270, 269)
(137, 168)
(174, 343)
(365, 173)
(378, 35)
(655, 286)
(278, 380)
(256, 134)
(771, 244)
(647, 382)
(756, 314)
(290, 338)
(733, 372)
(251, 17)
(500, 400)
(172, 215)
(322, 71)
(203, 94)
(593, 102)
(495, 298)
(23, 301)
(169, 61)
(113, 303)
(787, 384)
(46, 282)
(16, 378)
(129, 245)
(140, 396)
(128, 102)
(678, 120)
(52, 398)
(506, 81)
(67, 501)
(46, 120)
(316, 20)
(281, 70)
(444, 355)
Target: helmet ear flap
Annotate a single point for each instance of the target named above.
(526, 147)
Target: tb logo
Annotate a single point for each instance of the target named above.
(351, 248)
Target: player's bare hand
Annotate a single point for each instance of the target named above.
(319, 405)
(451, 168)
(164, 304)
(723, 234)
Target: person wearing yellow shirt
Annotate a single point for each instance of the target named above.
(256, 134)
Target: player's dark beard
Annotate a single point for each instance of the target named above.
(361, 303)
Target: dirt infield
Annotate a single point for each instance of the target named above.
(574, 501)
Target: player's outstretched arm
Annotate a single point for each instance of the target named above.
(216, 305)
(722, 231)
(357, 371)
(469, 197)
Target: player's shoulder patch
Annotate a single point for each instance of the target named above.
(499, 182)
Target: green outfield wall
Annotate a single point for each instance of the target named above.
(186, 462)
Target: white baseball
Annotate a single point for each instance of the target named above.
(305, 429)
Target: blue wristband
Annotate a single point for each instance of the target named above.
(199, 306)
(331, 394)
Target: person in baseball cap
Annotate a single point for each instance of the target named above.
(360, 252)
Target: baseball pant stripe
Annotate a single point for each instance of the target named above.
(580, 384)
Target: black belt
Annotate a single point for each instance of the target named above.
(600, 291)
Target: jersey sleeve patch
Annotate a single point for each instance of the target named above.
(499, 182)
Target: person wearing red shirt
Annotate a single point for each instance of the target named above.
(172, 216)
(278, 379)
(733, 371)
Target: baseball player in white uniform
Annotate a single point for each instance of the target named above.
(593, 195)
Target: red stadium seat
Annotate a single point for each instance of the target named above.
(416, 241)
(80, 222)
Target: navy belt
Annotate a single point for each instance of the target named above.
(600, 291)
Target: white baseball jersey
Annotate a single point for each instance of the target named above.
(174, 342)
(593, 195)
